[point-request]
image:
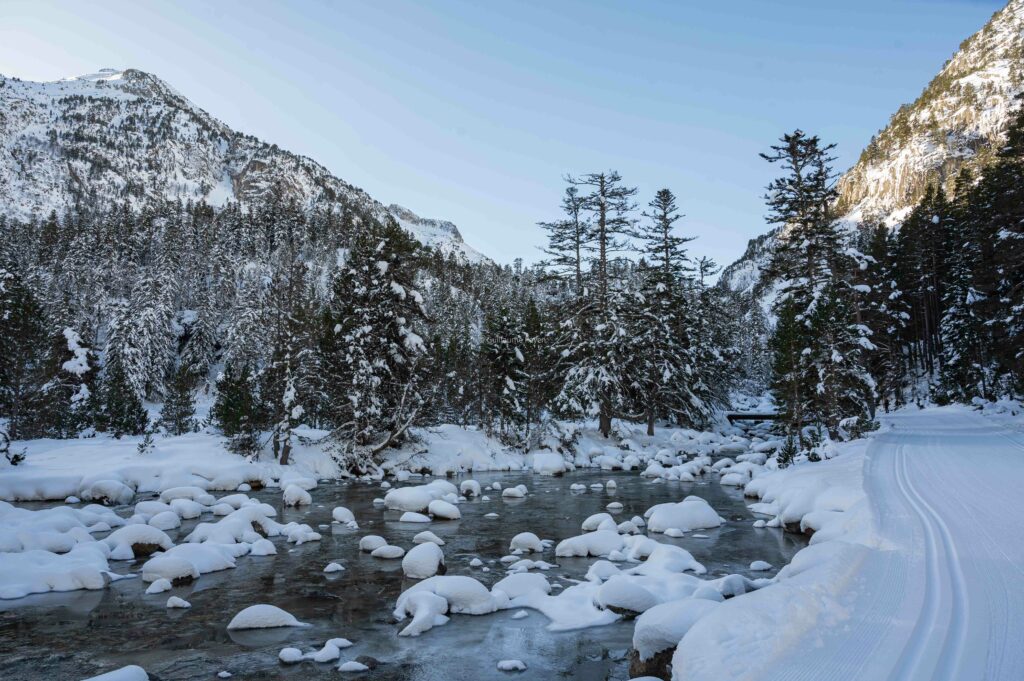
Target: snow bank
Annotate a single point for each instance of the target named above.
(663, 626)
(548, 463)
(805, 594)
(56, 530)
(36, 571)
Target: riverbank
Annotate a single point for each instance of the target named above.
(912, 571)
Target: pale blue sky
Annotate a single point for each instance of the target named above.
(472, 111)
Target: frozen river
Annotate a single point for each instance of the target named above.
(73, 635)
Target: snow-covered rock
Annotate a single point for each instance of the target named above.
(661, 627)
(526, 541)
(372, 542)
(427, 536)
(423, 560)
(296, 496)
(389, 552)
(263, 616)
(439, 508)
(692, 513)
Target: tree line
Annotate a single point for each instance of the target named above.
(279, 320)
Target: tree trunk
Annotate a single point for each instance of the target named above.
(286, 449)
(650, 421)
(605, 423)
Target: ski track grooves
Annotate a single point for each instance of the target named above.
(945, 598)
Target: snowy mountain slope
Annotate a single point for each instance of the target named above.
(127, 135)
(958, 121)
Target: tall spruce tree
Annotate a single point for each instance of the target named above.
(595, 383)
(829, 384)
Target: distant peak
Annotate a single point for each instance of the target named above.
(102, 74)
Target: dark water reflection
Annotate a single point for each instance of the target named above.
(73, 635)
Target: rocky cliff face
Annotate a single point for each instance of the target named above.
(128, 136)
(958, 121)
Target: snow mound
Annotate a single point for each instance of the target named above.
(526, 541)
(427, 536)
(130, 673)
(548, 463)
(621, 593)
(598, 543)
(296, 496)
(523, 583)
(263, 616)
(455, 594)
(692, 513)
(186, 562)
(663, 626)
(444, 510)
(37, 571)
(422, 561)
(389, 552)
(134, 541)
(372, 542)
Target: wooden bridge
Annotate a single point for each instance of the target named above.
(753, 416)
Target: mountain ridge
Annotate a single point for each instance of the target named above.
(126, 135)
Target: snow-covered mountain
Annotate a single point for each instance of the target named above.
(127, 135)
(958, 121)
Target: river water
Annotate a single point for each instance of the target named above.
(77, 634)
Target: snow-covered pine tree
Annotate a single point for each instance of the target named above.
(663, 372)
(813, 261)
(594, 336)
(994, 213)
(382, 358)
(119, 408)
(177, 416)
(279, 380)
(884, 311)
(504, 369)
(71, 373)
(236, 409)
(921, 267)
(23, 347)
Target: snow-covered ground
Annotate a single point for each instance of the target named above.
(914, 571)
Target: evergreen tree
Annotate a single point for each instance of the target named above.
(235, 411)
(381, 360)
(120, 409)
(177, 416)
(829, 384)
(594, 337)
(569, 239)
(23, 345)
(505, 371)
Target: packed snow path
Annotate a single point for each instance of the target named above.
(943, 598)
